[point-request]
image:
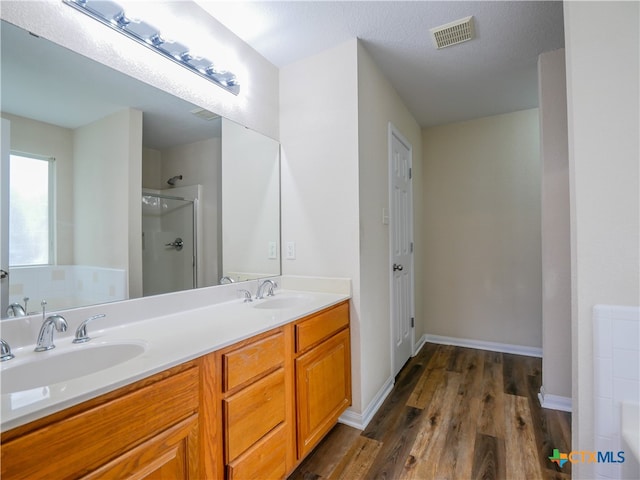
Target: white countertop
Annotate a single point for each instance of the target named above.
(170, 339)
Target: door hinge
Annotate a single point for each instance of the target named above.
(411, 247)
(413, 322)
(410, 173)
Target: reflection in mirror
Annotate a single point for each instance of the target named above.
(169, 243)
(147, 193)
(251, 200)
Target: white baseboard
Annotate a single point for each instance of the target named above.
(482, 345)
(361, 420)
(419, 345)
(554, 402)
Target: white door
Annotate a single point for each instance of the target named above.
(4, 217)
(401, 261)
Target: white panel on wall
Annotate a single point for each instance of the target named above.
(616, 347)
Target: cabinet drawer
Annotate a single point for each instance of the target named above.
(245, 363)
(264, 460)
(253, 412)
(83, 442)
(320, 326)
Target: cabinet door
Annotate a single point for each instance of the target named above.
(90, 438)
(323, 389)
(170, 455)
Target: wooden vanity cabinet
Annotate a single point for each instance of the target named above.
(257, 413)
(323, 374)
(145, 430)
(281, 392)
(252, 410)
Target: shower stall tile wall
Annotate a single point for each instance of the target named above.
(66, 286)
(616, 381)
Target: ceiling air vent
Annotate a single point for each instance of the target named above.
(453, 33)
(204, 114)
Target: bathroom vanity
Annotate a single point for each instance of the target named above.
(250, 409)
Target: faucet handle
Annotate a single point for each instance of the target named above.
(81, 331)
(5, 351)
(247, 295)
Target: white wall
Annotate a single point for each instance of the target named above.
(107, 165)
(481, 229)
(39, 138)
(602, 41)
(556, 254)
(133, 180)
(320, 186)
(334, 187)
(379, 104)
(250, 203)
(152, 169)
(257, 104)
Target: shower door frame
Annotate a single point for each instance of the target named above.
(194, 220)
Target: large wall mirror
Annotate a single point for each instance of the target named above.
(112, 189)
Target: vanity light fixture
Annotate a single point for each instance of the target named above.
(113, 15)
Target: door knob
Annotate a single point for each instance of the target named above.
(397, 267)
(3, 274)
(177, 244)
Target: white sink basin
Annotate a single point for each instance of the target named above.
(49, 368)
(283, 301)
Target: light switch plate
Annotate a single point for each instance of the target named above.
(273, 250)
(291, 250)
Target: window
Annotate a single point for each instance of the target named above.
(30, 210)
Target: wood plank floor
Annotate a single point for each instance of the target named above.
(454, 413)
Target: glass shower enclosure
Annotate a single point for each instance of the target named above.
(168, 243)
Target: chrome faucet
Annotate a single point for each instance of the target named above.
(5, 351)
(269, 285)
(45, 337)
(81, 331)
(226, 279)
(16, 310)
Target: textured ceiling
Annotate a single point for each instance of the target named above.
(494, 73)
